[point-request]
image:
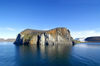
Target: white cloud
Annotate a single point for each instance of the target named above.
(45, 29)
(7, 29)
(87, 33)
(10, 29)
(7, 32)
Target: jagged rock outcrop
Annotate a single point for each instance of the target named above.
(50, 37)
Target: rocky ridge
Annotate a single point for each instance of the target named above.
(59, 35)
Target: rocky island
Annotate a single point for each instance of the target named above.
(59, 35)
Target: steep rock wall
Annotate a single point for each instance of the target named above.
(50, 37)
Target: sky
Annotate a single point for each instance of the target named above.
(81, 17)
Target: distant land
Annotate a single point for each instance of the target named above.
(93, 39)
(7, 40)
(82, 39)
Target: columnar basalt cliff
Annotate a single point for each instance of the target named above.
(50, 37)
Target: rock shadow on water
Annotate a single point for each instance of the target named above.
(49, 55)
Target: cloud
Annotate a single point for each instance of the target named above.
(6, 29)
(45, 29)
(84, 34)
(10, 29)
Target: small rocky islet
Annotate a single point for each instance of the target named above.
(54, 36)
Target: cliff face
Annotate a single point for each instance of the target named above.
(54, 36)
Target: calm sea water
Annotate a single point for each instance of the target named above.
(86, 54)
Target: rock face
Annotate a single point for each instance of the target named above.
(93, 39)
(50, 37)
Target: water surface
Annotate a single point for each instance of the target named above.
(85, 54)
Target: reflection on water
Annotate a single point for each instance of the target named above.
(42, 55)
(85, 54)
(88, 45)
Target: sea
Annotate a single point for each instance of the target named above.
(83, 54)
